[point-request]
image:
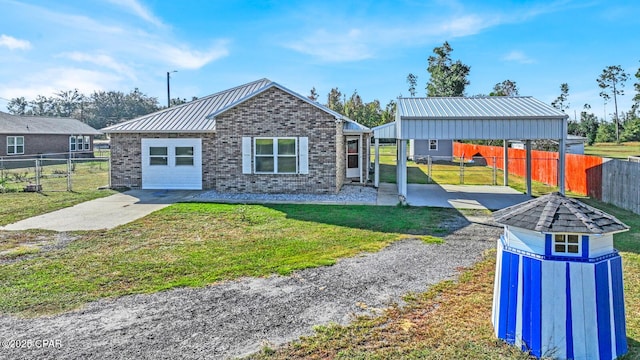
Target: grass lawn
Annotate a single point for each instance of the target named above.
(196, 244)
(613, 150)
(449, 173)
(18, 205)
(452, 319)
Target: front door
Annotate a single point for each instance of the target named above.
(353, 157)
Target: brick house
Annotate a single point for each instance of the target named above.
(28, 136)
(259, 137)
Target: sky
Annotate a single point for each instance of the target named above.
(363, 46)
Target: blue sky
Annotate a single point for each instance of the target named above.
(365, 46)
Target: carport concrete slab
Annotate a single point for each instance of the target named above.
(104, 213)
(464, 196)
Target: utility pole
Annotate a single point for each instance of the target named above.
(169, 87)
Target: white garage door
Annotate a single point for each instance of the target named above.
(172, 164)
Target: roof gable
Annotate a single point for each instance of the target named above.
(18, 124)
(559, 214)
(199, 115)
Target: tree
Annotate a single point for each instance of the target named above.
(588, 124)
(606, 132)
(561, 102)
(313, 95)
(412, 81)
(631, 130)
(389, 113)
(18, 106)
(67, 102)
(505, 88)
(334, 101)
(636, 98)
(448, 78)
(611, 81)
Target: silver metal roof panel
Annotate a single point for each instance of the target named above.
(492, 107)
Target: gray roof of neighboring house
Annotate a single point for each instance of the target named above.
(23, 125)
(489, 107)
(559, 214)
(199, 115)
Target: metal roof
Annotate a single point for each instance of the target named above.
(559, 214)
(351, 126)
(385, 131)
(199, 115)
(490, 107)
(20, 124)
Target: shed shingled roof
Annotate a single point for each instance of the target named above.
(23, 125)
(559, 214)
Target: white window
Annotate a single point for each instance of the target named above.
(158, 156)
(433, 144)
(275, 155)
(566, 244)
(79, 143)
(184, 155)
(15, 145)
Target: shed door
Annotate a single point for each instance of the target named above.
(172, 164)
(353, 157)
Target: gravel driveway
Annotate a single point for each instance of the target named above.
(237, 318)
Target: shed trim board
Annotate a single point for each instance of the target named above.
(172, 176)
(479, 118)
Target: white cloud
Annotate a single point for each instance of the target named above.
(102, 60)
(137, 9)
(51, 80)
(351, 45)
(13, 43)
(518, 56)
(183, 57)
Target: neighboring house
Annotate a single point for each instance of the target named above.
(574, 144)
(419, 150)
(255, 138)
(24, 136)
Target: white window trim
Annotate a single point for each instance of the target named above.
(85, 143)
(566, 244)
(176, 156)
(430, 140)
(15, 145)
(166, 156)
(275, 155)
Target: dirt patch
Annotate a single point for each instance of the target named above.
(237, 318)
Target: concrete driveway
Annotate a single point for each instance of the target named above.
(104, 213)
(453, 196)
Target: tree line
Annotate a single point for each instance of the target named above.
(98, 110)
(450, 78)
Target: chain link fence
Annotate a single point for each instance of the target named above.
(53, 172)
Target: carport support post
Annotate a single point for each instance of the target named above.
(561, 158)
(376, 166)
(402, 167)
(505, 159)
(527, 144)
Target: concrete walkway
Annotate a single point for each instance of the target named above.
(104, 213)
(453, 196)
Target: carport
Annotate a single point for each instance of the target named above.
(473, 118)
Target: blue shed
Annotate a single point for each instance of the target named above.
(558, 287)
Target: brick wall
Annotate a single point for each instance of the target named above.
(126, 158)
(275, 113)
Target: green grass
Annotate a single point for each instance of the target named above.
(452, 319)
(196, 244)
(449, 173)
(613, 150)
(18, 205)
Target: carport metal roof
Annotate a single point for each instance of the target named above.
(487, 118)
(476, 118)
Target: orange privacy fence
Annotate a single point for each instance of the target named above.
(583, 173)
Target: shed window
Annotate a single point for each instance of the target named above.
(184, 155)
(433, 144)
(158, 156)
(79, 143)
(276, 155)
(15, 145)
(566, 244)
